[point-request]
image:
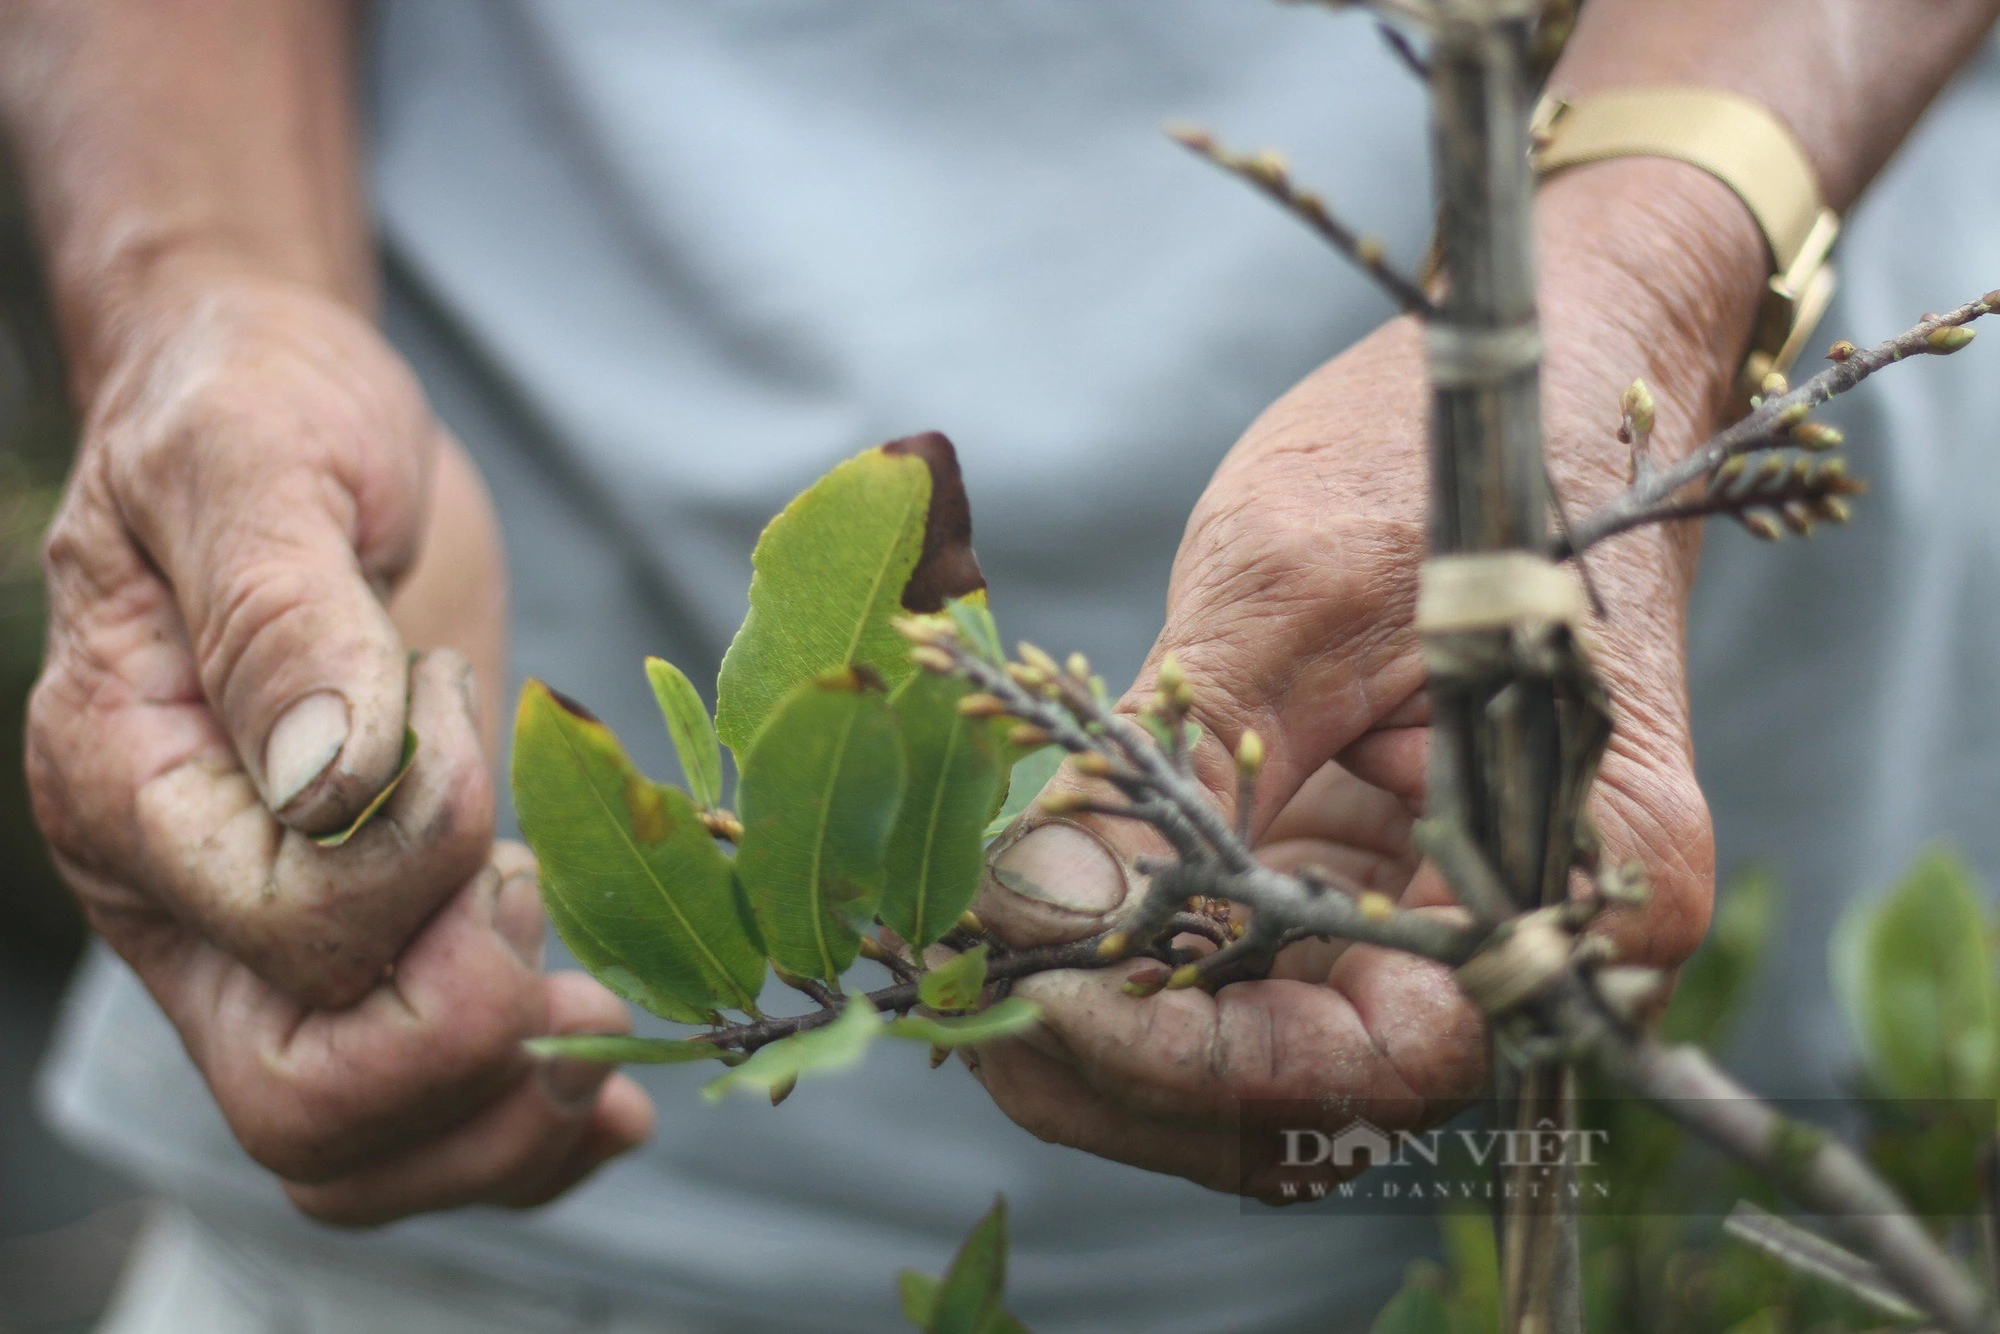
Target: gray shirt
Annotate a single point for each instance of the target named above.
(661, 264)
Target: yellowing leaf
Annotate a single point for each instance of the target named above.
(953, 779)
(632, 881)
(777, 1065)
(380, 799)
(886, 532)
(817, 795)
(692, 732)
(956, 983)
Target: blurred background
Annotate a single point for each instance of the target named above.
(64, 1223)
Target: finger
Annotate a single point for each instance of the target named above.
(1386, 1027)
(274, 470)
(1051, 1101)
(553, 1126)
(321, 923)
(315, 1094)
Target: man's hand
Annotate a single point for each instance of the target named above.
(1291, 613)
(225, 679)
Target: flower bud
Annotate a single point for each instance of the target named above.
(1947, 340)
(1817, 435)
(924, 629)
(1184, 977)
(723, 824)
(933, 659)
(982, 705)
(1249, 754)
(1078, 666)
(1028, 737)
(1375, 907)
(1092, 765)
(1774, 385)
(1038, 660)
(1267, 167)
(1841, 351)
(1171, 678)
(1760, 525)
(1113, 945)
(1146, 982)
(1636, 406)
(1062, 803)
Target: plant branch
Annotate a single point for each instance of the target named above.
(1267, 172)
(1772, 424)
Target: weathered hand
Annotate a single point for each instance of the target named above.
(224, 680)
(1291, 613)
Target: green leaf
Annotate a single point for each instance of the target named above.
(970, 1294)
(1002, 1019)
(1472, 1258)
(689, 726)
(607, 968)
(1713, 982)
(937, 845)
(380, 799)
(1031, 773)
(919, 1294)
(977, 627)
(624, 1049)
(955, 984)
(1418, 1309)
(885, 533)
(817, 796)
(1163, 736)
(822, 1050)
(633, 882)
(1915, 972)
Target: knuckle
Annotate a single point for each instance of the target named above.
(262, 610)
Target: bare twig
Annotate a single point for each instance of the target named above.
(1405, 50)
(1773, 424)
(1809, 1165)
(1268, 173)
(1810, 1253)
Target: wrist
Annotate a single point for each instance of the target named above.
(1662, 258)
(130, 298)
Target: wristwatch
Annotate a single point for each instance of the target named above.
(1746, 147)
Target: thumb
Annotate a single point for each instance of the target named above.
(1055, 880)
(277, 489)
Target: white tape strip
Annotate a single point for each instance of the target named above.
(1493, 590)
(1460, 357)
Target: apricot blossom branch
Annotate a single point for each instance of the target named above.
(1782, 492)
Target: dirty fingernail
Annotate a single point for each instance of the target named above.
(302, 744)
(569, 1084)
(1065, 866)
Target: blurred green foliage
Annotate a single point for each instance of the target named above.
(1916, 972)
(37, 438)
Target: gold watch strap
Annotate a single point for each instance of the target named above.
(1744, 146)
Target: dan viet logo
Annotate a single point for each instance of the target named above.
(1366, 1164)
